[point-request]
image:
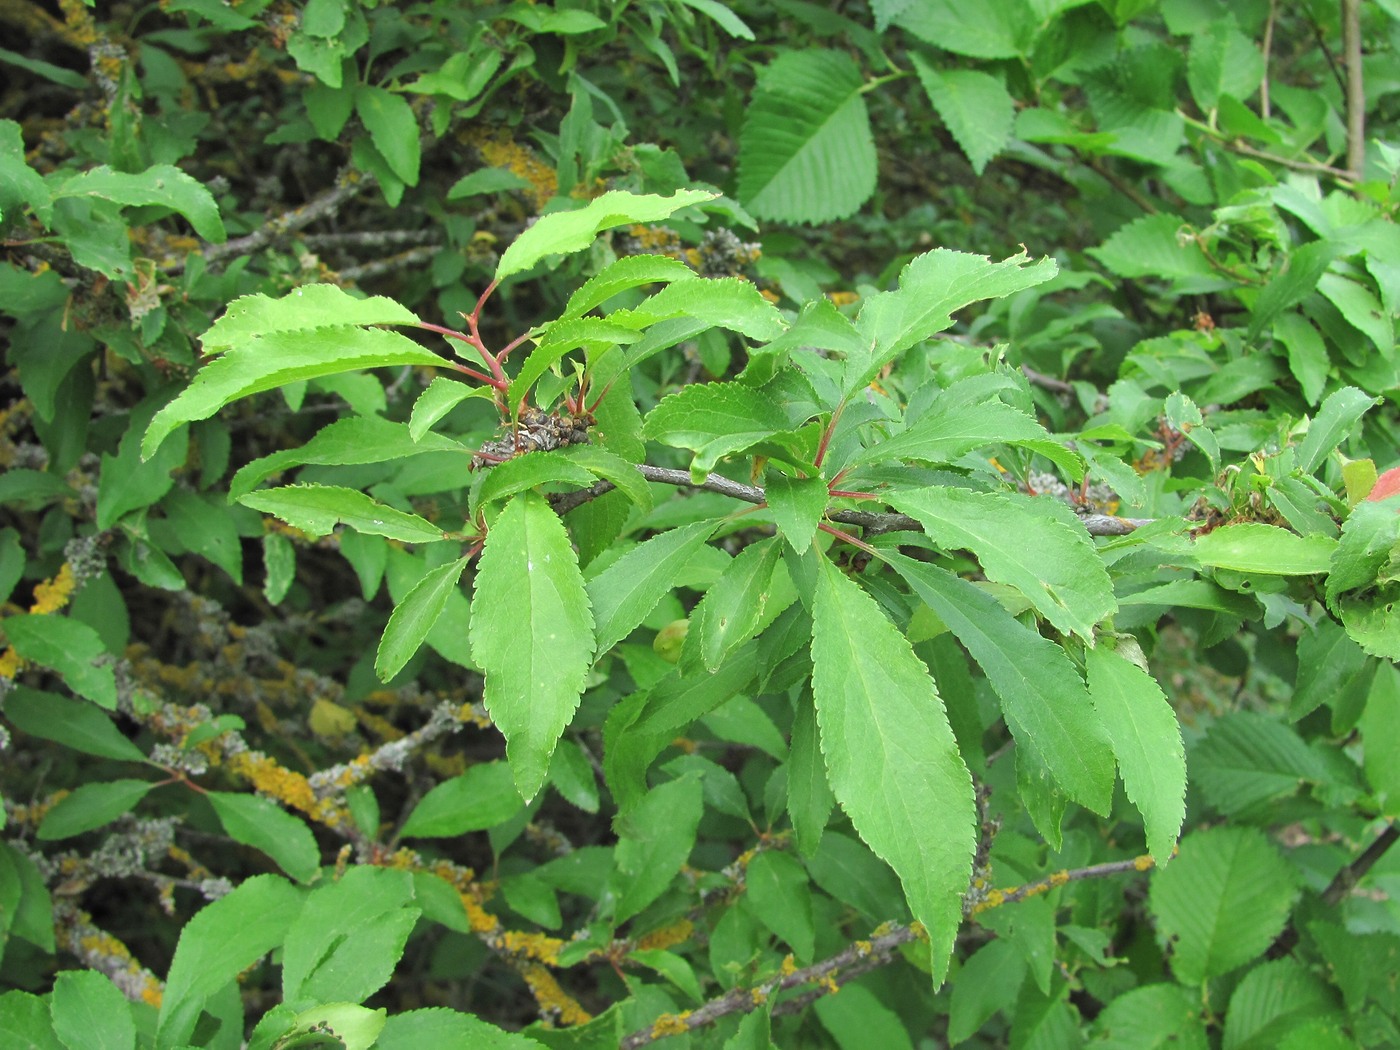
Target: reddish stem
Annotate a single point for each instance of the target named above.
(848, 538)
(499, 382)
(826, 434)
(842, 493)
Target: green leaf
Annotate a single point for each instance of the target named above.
(974, 106)
(1380, 730)
(439, 1026)
(481, 798)
(441, 397)
(1361, 309)
(348, 937)
(73, 723)
(1223, 61)
(734, 607)
(995, 30)
(163, 184)
(805, 150)
(529, 581)
(1291, 285)
(353, 1027)
(948, 431)
(312, 306)
(90, 1012)
(26, 1022)
(714, 420)
(798, 505)
(862, 1020)
(931, 288)
(777, 887)
(392, 127)
(1335, 420)
(623, 473)
(809, 797)
(1281, 1003)
(1266, 549)
(91, 806)
(714, 302)
(525, 472)
(891, 756)
(1146, 742)
(204, 528)
(988, 981)
(19, 183)
(562, 233)
(1153, 246)
(69, 647)
(559, 338)
(1222, 901)
(1330, 665)
(277, 359)
(624, 593)
(1308, 359)
(413, 618)
(1043, 699)
(463, 77)
(262, 824)
(654, 840)
(280, 566)
(1034, 544)
(317, 509)
(357, 439)
(1152, 1017)
(631, 271)
(1248, 760)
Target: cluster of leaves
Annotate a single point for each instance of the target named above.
(681, 637)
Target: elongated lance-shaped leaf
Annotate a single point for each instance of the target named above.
(277, 359)
(631, 271)
(317, 509)
(627, 590)
(1042, 696)
(414, 617)
(931, 288)
(734, 607)
(1146, 741)
(893, 762)
(1035, 544)
(304, 309)
(562, 233)
(531, 632)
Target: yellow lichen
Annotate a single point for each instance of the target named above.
(667, 936)
(670, 1024)
(533, 946)
(552, 999)
(53, 594)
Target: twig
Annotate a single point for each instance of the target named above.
(369, 238)
(877, 522)
(1040, 379)
(1265, 103)
(1297, 165)
(1356, 87)
(412, 257)
(348, 183)
(852, 961)
(1342, 884)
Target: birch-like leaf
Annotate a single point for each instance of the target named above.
(893, 762)
(532, 633)
(1146, 741)
(1036, 545)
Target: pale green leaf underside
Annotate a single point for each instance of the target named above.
(892, 760)
(1034, 544)
(572, 231)
(805, 151)
(532, 635)
(1268, 549)
(278, 359)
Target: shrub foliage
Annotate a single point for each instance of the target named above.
(737, 525)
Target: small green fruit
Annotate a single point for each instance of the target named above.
(669, 640)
